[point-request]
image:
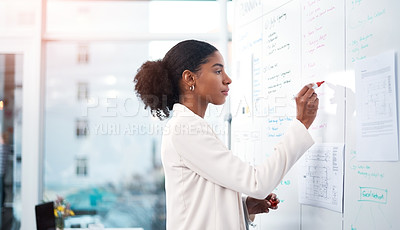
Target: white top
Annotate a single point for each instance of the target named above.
(204, 181)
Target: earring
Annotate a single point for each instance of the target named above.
(191, 88)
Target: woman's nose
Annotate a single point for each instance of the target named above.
(227, 80)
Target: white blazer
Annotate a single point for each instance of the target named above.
(204, 181)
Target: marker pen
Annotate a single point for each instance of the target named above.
(318, 84)
(274, 202)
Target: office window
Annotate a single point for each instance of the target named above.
(102, 154)
(102, 149)
(82, 127)
(97, 17)
(83, 54)
(184, 16)
(83, 91)
(17, 16)
(10, 140)
(81, 166)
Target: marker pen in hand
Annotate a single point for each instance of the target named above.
(273, 202)
(316, 85)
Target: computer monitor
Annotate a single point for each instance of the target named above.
(45, 219)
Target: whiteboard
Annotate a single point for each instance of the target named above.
(370, 32)
(278, 46)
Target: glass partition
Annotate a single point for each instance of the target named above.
(102, 149)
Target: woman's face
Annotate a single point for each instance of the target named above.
(212, 81)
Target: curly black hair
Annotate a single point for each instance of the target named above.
(157, 82)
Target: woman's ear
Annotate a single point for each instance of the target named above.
(188, 78)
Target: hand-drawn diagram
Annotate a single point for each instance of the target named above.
(321, 182)
(369, 213)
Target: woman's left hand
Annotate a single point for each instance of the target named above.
(256, 206)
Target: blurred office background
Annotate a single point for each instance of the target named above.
(71, 124)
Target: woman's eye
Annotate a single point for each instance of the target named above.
(219, 71)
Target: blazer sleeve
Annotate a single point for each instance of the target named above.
(202, 151)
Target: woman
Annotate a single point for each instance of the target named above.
(204, 181)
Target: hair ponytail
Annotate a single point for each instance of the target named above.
(155, 88)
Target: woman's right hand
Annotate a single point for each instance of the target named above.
(307, 105)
